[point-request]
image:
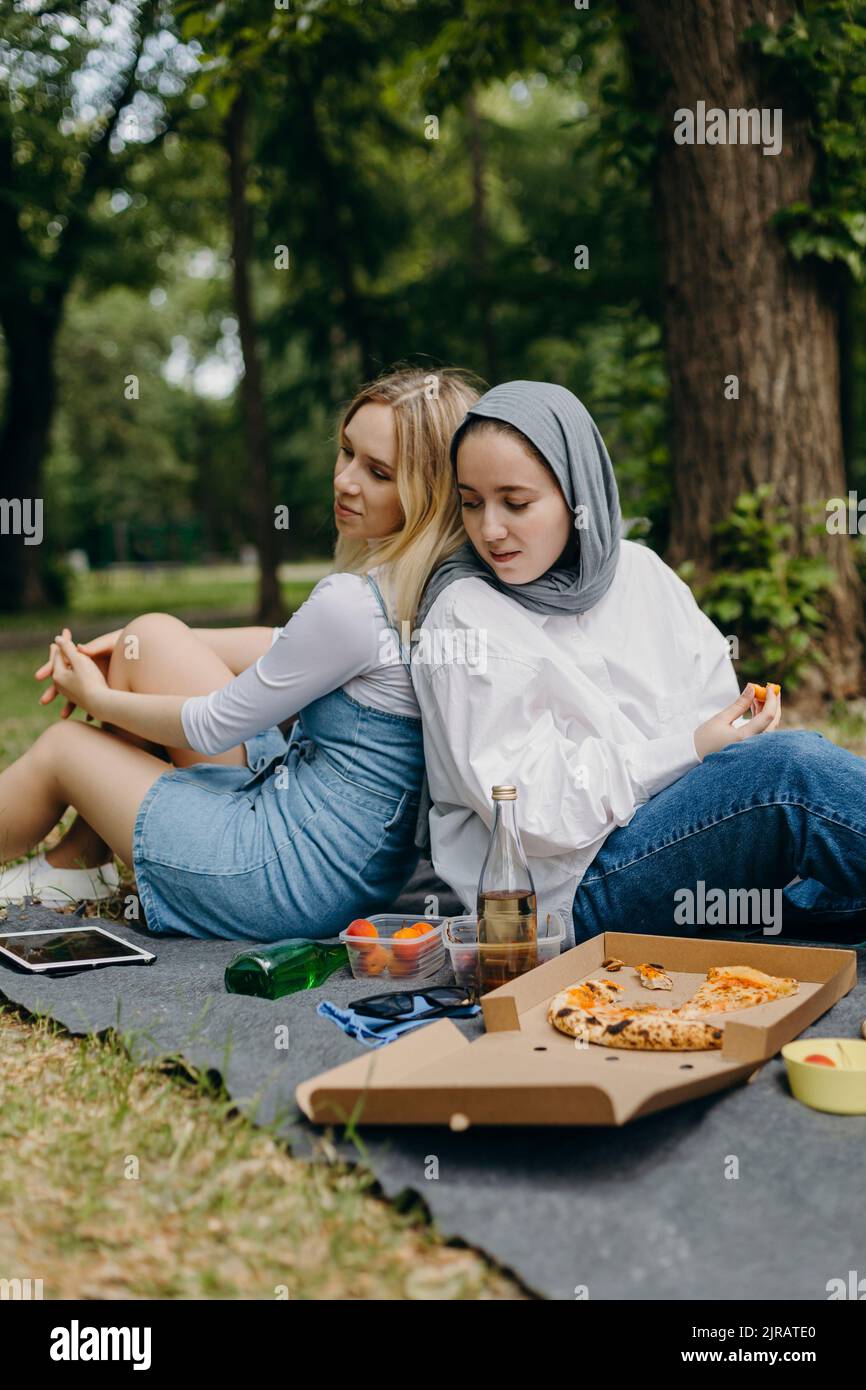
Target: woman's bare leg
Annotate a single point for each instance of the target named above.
(74, 764)
(156, 654)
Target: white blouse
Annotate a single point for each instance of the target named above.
(338, 638)
(588, 715)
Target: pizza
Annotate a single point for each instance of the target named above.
(589, 1010)
(644, 1027)
(736, 987)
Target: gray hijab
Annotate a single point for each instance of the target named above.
(564, 432)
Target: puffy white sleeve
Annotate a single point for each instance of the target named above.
(719, 686)
(332, 637)
(573, 785)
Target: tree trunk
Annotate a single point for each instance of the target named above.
(33, 290)
(737, 304)
(270, 603)
(27, 416)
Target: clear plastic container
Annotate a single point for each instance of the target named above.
(404, 962)
(461, 940)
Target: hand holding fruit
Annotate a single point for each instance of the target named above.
(719, 731)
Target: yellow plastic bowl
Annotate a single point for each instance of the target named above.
(840, 1089)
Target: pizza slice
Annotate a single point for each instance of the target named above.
(730, 987)
(641, 1027)
(589, 1010)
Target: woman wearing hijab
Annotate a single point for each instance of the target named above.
(603, 693)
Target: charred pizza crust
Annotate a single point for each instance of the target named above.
(589, 1010)
(644, 1027)
(591, 993)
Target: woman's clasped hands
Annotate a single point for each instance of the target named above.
(100, 649)
(75, 676)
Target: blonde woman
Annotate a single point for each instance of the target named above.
(250, 835)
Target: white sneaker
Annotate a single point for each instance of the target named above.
(36, 878)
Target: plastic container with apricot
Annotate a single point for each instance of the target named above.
(461, 939)
(387, 957)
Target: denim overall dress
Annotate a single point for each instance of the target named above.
(317, 830)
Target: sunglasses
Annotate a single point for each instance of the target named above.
(449, 1001)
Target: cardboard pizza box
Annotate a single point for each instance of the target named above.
(521, 1071)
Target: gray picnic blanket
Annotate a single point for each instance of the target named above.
(651, 1210)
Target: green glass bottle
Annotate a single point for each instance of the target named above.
(284, 968)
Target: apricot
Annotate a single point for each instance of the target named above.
(406, 945)
(374, 960)
(761, 692)
(361, 927)
(400, 967)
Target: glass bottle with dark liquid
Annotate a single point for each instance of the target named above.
(507, 915)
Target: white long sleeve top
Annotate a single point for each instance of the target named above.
(588, 715)
(338, 638)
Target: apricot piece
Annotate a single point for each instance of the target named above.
(400, 967)
(406, 945)
(361, 927)
(761, 692)
(373, 960)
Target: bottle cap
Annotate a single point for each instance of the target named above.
(505, 793)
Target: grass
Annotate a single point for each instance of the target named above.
(121, 594)
(846, 724)
(145, 1183)
(22, 718)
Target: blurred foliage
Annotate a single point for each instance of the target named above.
(819, 55)
(770, 597)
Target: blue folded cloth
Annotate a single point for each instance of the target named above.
(375, 1032)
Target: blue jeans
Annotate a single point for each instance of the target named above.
(753, 816)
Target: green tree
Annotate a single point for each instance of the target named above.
(54, 160)
(752, 248)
